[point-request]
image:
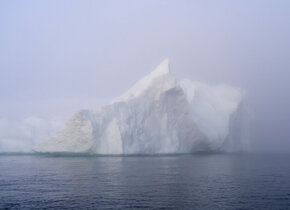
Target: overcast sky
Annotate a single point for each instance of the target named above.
(59, 56)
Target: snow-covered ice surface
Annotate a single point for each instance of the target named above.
(158, 115)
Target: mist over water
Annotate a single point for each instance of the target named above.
(90, 52)
(23, 135)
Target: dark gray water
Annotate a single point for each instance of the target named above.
(220, 181)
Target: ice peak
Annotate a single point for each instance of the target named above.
(162, 68)
(143, 84)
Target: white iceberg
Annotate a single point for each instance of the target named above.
(158, 115)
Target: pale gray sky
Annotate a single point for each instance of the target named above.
(59, 56)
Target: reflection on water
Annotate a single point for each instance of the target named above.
(217, 181)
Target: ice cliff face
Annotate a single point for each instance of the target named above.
(158, 115)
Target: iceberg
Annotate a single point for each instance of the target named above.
(158, 115)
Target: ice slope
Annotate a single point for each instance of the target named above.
(158, 115)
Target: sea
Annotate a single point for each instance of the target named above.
(197, 181)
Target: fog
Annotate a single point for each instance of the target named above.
(60, 56)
